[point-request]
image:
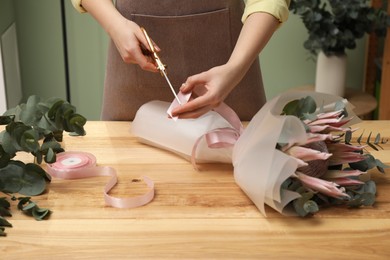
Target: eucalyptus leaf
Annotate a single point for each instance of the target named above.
(30, 205)
(381, 166)
(4, 222)
(370, 187)
(9, 144)
(40, 213)
(22, 201)
(368, 199)
(377, 139)
(368, 163)
(5, 212)
(310, 207)
(4, 120)
(32, 167)
(291, 108)
(54, 145)
(53, 110)
(4, 203)
(33, 184)
(4, 158)
(340, 105)
(373, 146)
(29, 141)
(50, 156)
(29, 114)
(38, 157)
(348, 137)
(11, 178)
(359, 140)
(77, 123)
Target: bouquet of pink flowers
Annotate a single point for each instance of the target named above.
(296, 156)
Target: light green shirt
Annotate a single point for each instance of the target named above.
(277, 8)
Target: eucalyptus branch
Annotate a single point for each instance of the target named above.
(335, 25)
(35, 127)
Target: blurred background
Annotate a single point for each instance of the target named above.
(49, 49)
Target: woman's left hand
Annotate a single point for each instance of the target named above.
(210, 89)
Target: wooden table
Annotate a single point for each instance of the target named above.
(193, 215)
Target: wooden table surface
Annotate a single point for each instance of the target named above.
(193, 215)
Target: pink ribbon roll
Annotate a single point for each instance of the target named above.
(78, 165)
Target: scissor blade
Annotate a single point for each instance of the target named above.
(170, 85)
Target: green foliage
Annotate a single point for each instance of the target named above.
(363, 195)
(359, 195)
(301, 108)
(335, 25)
(306, 108)
(305, 205)
(369, 161)
(31, 208)
(35, 127)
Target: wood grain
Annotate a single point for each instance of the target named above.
(202, 215)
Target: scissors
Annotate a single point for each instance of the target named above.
(160, 66)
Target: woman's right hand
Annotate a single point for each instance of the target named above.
(126, 35)
(128, 39)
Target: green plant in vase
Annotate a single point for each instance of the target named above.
(333, 27)
(35, 127)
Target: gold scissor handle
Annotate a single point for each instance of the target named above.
(160, 66)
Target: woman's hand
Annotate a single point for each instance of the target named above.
(214, 85)
(128, 39)
(126, 34)
(210, 87)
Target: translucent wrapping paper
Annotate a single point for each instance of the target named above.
(260, 168)
(153, 126)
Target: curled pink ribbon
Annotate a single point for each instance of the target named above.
(77, 165)
(221, 137)
(216, 138)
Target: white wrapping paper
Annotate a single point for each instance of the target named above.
(259, 168)
(153, 126)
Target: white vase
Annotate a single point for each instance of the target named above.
(331, 74)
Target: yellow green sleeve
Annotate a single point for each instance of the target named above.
(77, 5)
(277, 8)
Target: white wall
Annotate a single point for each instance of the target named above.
(10, 57)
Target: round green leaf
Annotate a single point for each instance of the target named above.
(53, 110)
(33, 184)
(4, 222)
(32, 167)
(50, 156)
(9, 144)
(310, 207)
(40, 213)
(11, 178)
(29, 141)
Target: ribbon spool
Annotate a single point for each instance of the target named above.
(78, 165)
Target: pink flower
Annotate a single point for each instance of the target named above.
(325, 187)
(307, 154)
(322, 150)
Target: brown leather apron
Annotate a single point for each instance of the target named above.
(194, 36)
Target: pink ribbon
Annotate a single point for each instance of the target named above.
(217, 138)
(77, 165)
(221, 137)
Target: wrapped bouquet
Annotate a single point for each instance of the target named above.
(295, 155)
